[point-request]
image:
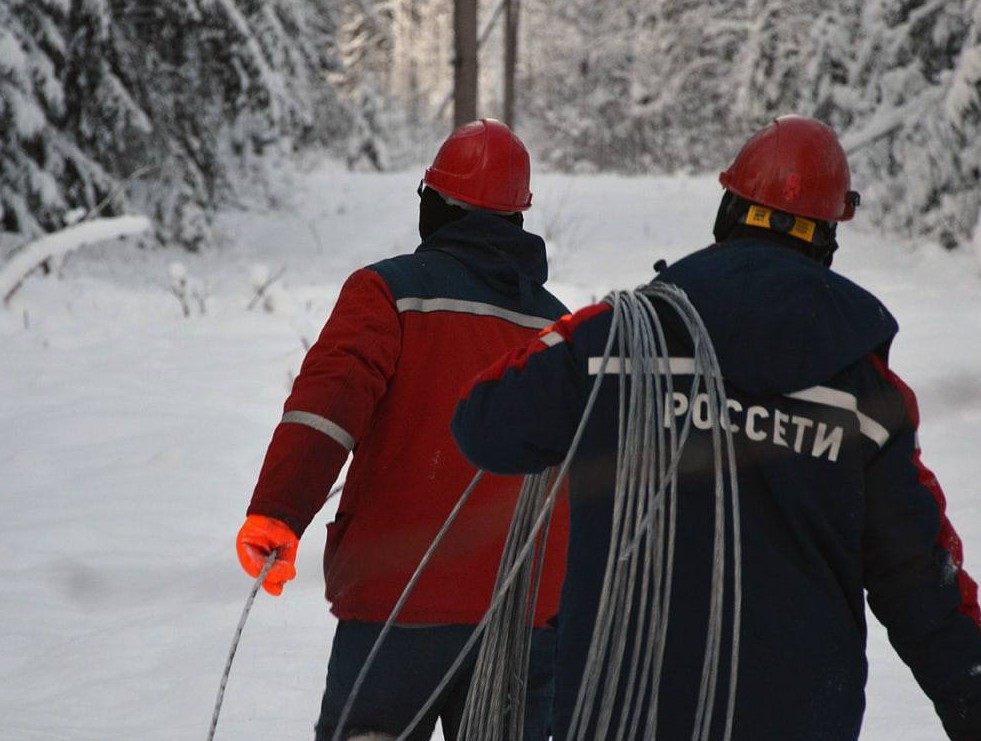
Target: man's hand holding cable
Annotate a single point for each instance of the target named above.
(260, 536)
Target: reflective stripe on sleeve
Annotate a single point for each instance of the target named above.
(551, 339)
(321, 424)
(429, 305)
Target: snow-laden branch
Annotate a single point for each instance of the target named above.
(371, 17)
(886, 122)
(60, 243)
(271, 78)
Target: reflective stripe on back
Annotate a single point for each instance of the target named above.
(674, 366)
(823, 395)
(843, 400)
(476, 308)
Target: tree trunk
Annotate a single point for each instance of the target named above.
(512, 11)
(465, 61)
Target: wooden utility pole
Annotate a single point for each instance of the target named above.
(512, 9)
(464, 61)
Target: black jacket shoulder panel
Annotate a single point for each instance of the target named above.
(480, 258)
(780, 321)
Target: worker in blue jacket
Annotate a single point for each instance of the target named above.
(834, 500)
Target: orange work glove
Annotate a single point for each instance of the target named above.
(260, 536)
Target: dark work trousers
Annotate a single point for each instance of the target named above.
(410, 664)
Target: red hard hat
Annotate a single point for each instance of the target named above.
(484, 164)
(794, 164)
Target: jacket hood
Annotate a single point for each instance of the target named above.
(510, 259)
(780, 321)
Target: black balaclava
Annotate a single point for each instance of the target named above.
(730, 224)
(435, 213)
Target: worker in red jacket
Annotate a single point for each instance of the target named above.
(381, 383)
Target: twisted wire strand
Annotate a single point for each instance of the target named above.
(495, 707)
(615, 624)
(263, 573)
(641, 337)
(626, 652)
(725, 473)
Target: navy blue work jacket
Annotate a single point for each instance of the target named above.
(835, 503)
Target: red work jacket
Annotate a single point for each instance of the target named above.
(381, 382)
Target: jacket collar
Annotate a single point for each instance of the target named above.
(505, 256)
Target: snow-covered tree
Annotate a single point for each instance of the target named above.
(221, 84)
(829, 65)
(161, 105)
(172, 108)
(915, 118)
(43, 172)
(647, 86)
(575, 82)
(395, 70)
(660, 85)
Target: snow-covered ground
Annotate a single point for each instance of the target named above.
(131, 435)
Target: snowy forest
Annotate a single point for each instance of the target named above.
(228, 164)
(166, 109)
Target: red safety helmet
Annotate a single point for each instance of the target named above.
(794, 164)
(484, 164)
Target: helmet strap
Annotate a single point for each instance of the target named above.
(779, 221)
(812, 237)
